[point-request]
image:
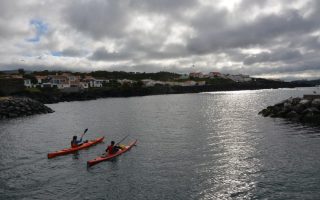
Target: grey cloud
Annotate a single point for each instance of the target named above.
(73, 52)
(103, 54)
(217, 40)
(283, 55)
(308, 63)
(6, 8)
(307, 42)
(264, 29)
(98, 18)
(164, 6)
(152, 51)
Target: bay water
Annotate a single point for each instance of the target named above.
(190, 146)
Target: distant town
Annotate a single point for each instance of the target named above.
(59, 86)
(81, 81)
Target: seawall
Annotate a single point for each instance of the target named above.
(12, 107)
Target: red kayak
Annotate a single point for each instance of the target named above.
(110, 156)
(71, 150)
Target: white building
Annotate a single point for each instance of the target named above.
(239, 78)
(148, 82)
(98, 82)
(27, 83)
(196, 75)
(189, 83)
(84, 85)
(215, 74)
(125, 81)
(201, 83)
(59, 81)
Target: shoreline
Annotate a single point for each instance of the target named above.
(56, 96)
(33, 103)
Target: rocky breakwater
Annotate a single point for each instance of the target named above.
(12, 107)
(306, 109)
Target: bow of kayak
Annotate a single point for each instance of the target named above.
(110, 156)
(71, 150)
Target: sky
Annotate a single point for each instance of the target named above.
(277, 39)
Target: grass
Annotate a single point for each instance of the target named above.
(33, 90)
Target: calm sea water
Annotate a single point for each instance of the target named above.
(190, 146)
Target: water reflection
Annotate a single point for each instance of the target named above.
(230, 154)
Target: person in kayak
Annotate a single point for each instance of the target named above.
(112, 148)
(75, 142)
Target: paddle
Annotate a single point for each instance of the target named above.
(122, 139)
(84, 133)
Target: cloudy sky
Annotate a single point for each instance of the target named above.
(266, 38)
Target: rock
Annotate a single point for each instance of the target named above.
(296, 100)
(12, 115)
(305, 102)
(287, 107)
(282, 113)
(299, 108)
(295, 109)
(311, 117)
(281, 103)
(287, 104)
(316, 103)
(265, 112)
(292, 114)
(311, 110)
(13, 107)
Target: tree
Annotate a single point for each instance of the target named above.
(21, 71)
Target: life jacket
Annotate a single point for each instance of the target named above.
(74, 144)
(110, 149)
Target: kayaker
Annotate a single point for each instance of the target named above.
(112, 148)
(75, 142)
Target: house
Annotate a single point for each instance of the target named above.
(201, 83)
(125, 81)
(189, 83)
(15, 76)
(184, 76)
(59, 81)
(215, 74)
(239, 78)
(74, 81)
(172, 83)
(196, 75)
(41, 79)
(27, 83)
(148, 82)
(93, 82)
(205, 76)
(84, 85)
(98, 82)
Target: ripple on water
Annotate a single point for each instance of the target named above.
(190, 146)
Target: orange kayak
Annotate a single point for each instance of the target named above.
(110, 156)
(71, 150)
